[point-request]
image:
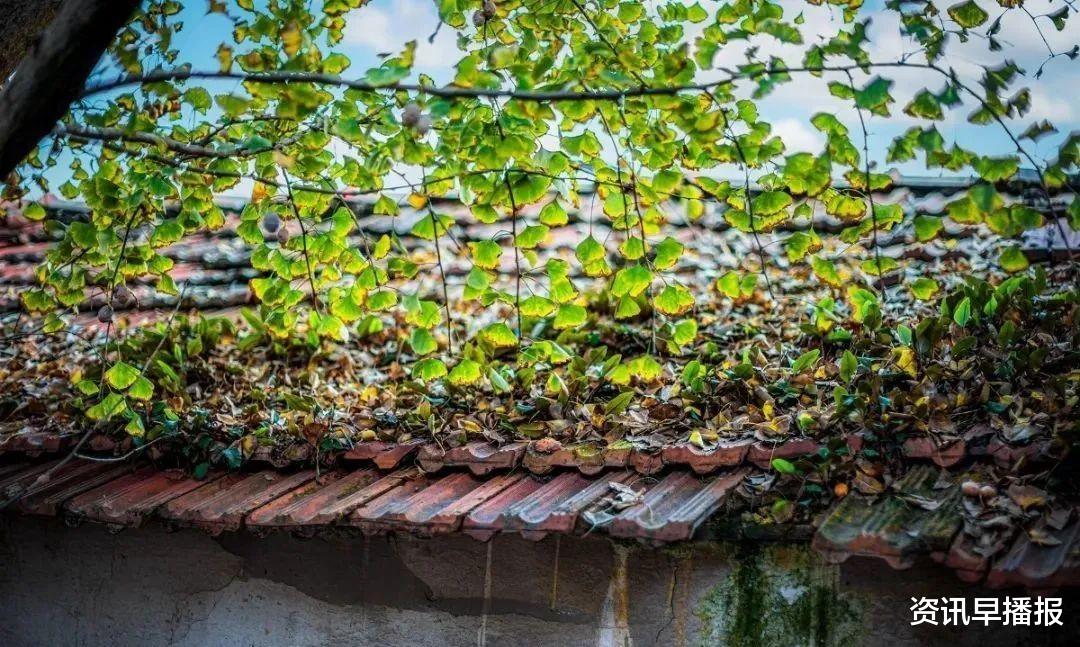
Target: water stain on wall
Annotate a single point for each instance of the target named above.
(778, 595)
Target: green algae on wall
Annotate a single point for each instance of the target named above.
(782, 596)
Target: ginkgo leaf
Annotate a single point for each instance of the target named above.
(968, 14)
(429, 369)
(923, 288)
(465, 373)
(121, 375)
(569, 316)
(486, 254)
(111, 405)
(1013, 260)
(684, 332)
(499, 335)
(537, 306)
(667, 252)
(422, 341)
(589, 251)
(674, 300)
(631, 281)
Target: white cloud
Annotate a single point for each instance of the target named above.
(386, 30)
(798, 136)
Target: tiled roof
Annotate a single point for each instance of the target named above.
(621, 503)
(389, 489)
(666, 494)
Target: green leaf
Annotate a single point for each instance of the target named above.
(198, 98)
(532, 236)
(968, 14)
(486, 254)
(925, 105)
(168, 232)
(465, 373)
(668, 252)
(422, 341)
(783, 466)
(553, 215)
(644, 368)
(770, 202)
(142, 389)
(88, 387)
(335, 63)
(1013, 260)
(962, 313)
(619, 403)
(569, 316)
(875, 97)
(631, 281)
(111, 405)
(927, 227)
(382, 300)
(848, 365)
(805, 361)
(923, 288)
(498, 382)
(826, 271)
(627, 308)
(428, 369)
(537, 306)
(121, 375)
(590, 251)
(499, 335)
(877, 267)
(34, 211)
(674, 300)
(685, 332)
(801, 243)
(996, 169)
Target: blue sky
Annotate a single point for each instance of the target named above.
(386, 25)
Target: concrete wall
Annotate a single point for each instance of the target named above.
(64, 586)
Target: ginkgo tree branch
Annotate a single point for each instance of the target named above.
(175, 145)
(452, 92)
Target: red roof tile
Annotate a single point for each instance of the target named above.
(920, 518)
(384, 455)
(132, 497)
(535, 508)
(585, 460)
(222, 504)
(78, 476)
(324, 500)
(727, 454)
(430, 506)
(1052, 562)
(672, 509)
(479, 457)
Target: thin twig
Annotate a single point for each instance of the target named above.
(303, 240)
(869, 191)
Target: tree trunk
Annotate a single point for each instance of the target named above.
(53, 72)
(23, 21)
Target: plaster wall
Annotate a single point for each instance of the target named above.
(61, 586)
